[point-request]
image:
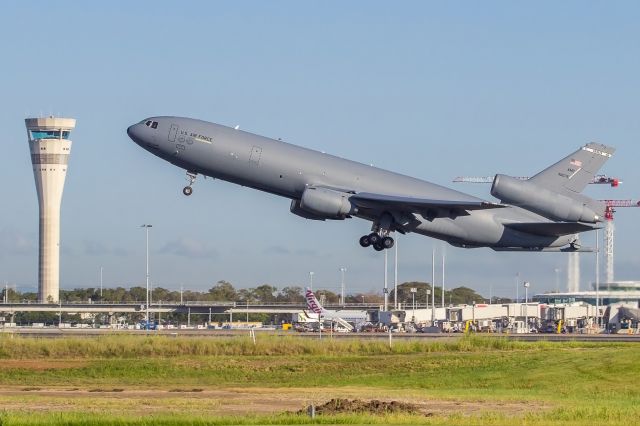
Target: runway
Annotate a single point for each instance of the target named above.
(96, 332)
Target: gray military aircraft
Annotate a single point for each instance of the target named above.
(543, 213)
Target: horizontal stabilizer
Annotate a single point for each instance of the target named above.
(551, 229)
(367, 199)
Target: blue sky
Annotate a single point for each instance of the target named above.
(429, 89)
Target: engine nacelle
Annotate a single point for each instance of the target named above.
(298, 211)
(322, 203)
(538, 199)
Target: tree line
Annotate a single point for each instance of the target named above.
(224, 291)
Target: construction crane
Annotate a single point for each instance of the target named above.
(597, 179)
(609, 232)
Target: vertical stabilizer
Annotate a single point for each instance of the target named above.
(576, 170)
(312, 302)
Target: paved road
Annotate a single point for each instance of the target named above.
(93, 332)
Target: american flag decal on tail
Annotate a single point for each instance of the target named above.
(576, 163)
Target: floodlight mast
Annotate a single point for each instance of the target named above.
(433, 286)
(146, 228)
(526, 305)
(342, 271)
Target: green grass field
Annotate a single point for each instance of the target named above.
(122, 380)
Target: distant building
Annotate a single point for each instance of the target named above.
(608, 294)
(50, 148)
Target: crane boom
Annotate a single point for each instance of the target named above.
(622, 203)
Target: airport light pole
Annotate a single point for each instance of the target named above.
(433, 286)
(443, 278)
(413, 296)
(342, 271)
(101, 283)
(311, 280)
(395, 275)
(146, 228)
(428, 293)
(386, 288)
(597, 278)
(526, 306)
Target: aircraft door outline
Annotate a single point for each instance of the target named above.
(173, 131)
(256, 153)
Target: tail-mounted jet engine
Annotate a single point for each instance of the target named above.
(545, 202)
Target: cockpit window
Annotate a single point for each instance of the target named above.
(154, 125)
(148, 123)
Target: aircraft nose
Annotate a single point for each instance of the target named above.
(134, 133)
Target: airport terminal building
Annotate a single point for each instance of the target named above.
(627, 292)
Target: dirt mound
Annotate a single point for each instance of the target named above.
(341, 405)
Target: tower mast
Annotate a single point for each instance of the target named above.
(50, 148)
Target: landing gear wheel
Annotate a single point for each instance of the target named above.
(191, 177)
(374, 238)
(364, 241)
(387, 242)
(378, 246)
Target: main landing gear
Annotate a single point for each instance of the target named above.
(191, 177)
(379, 241)
(379, 238)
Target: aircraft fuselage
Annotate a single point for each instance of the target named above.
(287, 170)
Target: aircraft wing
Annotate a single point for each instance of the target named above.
(551, 229)
(413, 204)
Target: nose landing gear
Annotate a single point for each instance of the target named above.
(191, 177)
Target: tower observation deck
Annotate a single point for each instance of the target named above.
(50, 148)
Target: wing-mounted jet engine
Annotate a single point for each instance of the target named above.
(319, 203)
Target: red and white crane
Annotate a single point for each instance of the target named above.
(609, 232)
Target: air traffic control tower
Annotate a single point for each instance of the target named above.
(50, 148)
